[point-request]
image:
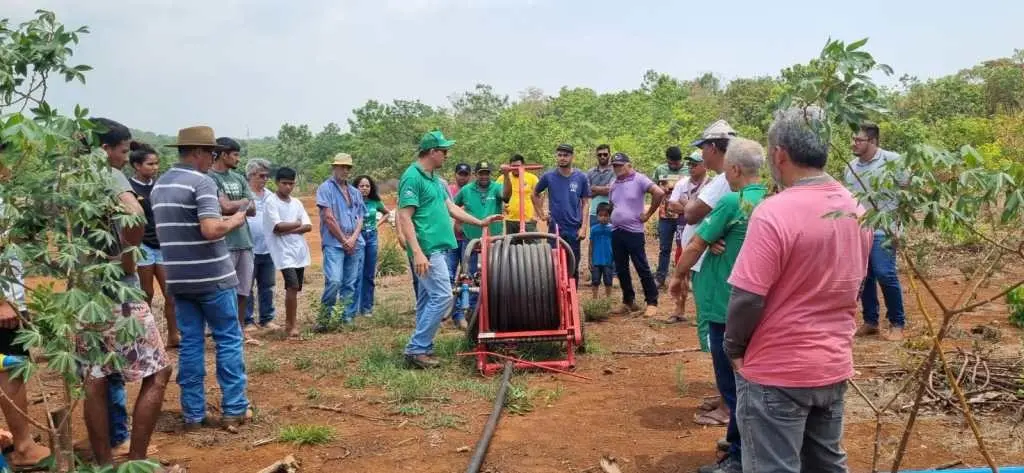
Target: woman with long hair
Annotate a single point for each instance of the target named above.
(368, 188)
(146, 163)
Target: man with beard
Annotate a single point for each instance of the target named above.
(234, 195)
(792, 313)
(600, 178)
(882, 263)
(481, 200)
(425, 221)
(568, 198)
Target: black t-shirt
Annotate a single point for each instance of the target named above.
(143, 190)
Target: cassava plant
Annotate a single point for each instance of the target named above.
(947, 192)
(57, 218)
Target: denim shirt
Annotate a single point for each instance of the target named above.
(329, 195)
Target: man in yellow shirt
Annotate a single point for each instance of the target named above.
(512, 194)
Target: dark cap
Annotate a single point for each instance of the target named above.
(228, 144)
(565, 147)
(620, 158)
(673, 153)
(462, 167)
(483, 166)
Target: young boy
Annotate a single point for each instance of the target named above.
(601, 265)
(285, 220)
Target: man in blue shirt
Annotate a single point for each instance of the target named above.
(341, 224)
(568, 194)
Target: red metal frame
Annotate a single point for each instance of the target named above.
(568, 308)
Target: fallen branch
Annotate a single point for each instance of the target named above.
(355, 414)
(286, 465)
(262, 442)
(655, 353)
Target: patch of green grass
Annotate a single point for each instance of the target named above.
(552, 395)
(302, 362)
(542, 351)
(596, 310)
(519, 399)
(301, 434)
(356, 381)
(386, 315)
(263, 363)
(411, 386)
(444, 420)
(592, 345)
(411, 410)
(391, 260)
(313, 394)
(680, 377)
(448, 347)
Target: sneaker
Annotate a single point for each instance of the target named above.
(895, 334)
(651, 311)
(866, 330)
(422, 362)
(727, 465)
(622, 309)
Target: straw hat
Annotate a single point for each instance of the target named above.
(342, 159)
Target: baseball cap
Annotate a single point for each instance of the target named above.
(435, 139)
(620, 158)
(483, 166)
(695, 157)
(716, 131)
(565, 147)
(462, 167)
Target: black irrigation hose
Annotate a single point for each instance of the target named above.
(492, 422)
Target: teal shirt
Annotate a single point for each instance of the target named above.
(428, 195)
(235, 187)
(370, 219)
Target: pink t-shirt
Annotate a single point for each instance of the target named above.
(809, 267)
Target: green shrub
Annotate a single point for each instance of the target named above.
(391, 260)
(1015, 299)
(306, 434)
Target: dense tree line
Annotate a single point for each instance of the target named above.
(982, 106)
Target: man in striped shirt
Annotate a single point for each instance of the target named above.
(201, 277)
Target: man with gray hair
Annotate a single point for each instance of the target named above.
(257, 172)
(792, 313)
(727, 222)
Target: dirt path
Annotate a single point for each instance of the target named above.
(638, 410)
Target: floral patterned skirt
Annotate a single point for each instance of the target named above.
(143, 356)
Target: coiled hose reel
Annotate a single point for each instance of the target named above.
(522, 286)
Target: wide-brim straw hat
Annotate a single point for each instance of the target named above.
(196, 136)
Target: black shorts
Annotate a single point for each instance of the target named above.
(7, 345)
(293, 277)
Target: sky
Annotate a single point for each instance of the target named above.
(247, 66)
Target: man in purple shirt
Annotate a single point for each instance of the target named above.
(627, 195)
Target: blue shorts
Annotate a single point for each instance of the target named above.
(150, 256)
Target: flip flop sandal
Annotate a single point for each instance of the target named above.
(710, 404)
(711, 418)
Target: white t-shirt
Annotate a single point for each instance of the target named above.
(711, 194)
(287, 250)
(683, 192)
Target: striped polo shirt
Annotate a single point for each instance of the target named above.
(194, 265)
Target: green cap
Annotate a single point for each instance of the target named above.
(695, 157)
(435, 139)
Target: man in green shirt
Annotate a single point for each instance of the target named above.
(425, 222)
(235, 196)
(481, 200)
(727, 222)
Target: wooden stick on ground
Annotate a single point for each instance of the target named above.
(655, 353)
(356, 414)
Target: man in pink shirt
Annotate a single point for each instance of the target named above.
(792, 313)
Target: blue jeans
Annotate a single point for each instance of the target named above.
(117, 411)
(791, 430)
(264, 279)
(433, 301)
(572, 237)
(454, 258)
(725, 379)
(368, 273)
(666, 235)
(628, 246)
(219, 309)
(882, 270)
(341, 272)
(604, 272)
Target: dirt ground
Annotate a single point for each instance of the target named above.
(638, 410)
